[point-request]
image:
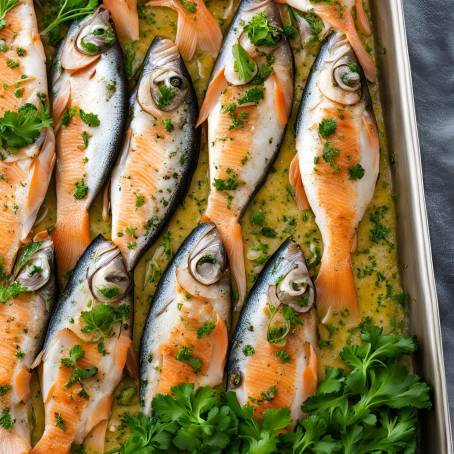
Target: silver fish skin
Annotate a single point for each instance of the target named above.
(190, 313)
(23, 322)
(268, 352)
(90, 109)
(337, 166)
(159, 154)
(92, 315)
(247, 115)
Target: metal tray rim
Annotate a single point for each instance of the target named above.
(420, 220)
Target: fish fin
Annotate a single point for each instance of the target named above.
(283, 89)
(344, 22)
(195, 29)
(362, 19)
(233, 242)
(98, 415)
(220, 341)
(13, 443)
(214, 90)
(131, 363)
(22, 384)
(37, 362)
(336, 289)
(71, 237)
(122, 350)
(310, 374)
(209, 33)
(41, 173)
(297, 184)
(106, 202)
(60, 103)
(73, 61)
(96, 439)
(125, 17)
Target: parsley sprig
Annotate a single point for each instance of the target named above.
(21, 128)
(370, 408)
(70, 10)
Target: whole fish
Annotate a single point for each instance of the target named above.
(197, 28)
(159, 155)
(126, 18)
(336, 167)
(85, 351)
(27, 142)
(90, 110)
(247, 105)
(273, 359)
(186, 332)
(337, 15)
(24, 312)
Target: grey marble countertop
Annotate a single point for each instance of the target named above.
(430, 33)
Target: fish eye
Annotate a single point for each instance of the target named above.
(168, 89)
(176, 81)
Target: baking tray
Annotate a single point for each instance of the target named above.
(413, 231)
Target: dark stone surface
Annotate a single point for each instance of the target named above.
(430, 32)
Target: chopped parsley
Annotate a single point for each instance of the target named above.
(59, 421)
(102, 317)
(185, 356)
(90, 119)
(166, 96)
(356, 172)
(248, 350)
(283, 356)
(140, 200)
(329, 156)
(268, 232)
(261, 33)
(79, 373)
(269, 394)
(205, 329)
(168, 125)
(189, 6)
(5, 6)
(4, 389)
(10, 292)
(327, 127)
(81, 190)
(109, 292)
(12, 64)
(379, 232)
(86, 138)
(229, 184)
(263, 73)
(6, 420)
(252, 95)
(258, 218)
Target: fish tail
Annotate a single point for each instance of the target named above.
(230, 231)
(196, 27)
(125, 17)
(95, 440)
(336, 290)
(71, 237)
(13, 443)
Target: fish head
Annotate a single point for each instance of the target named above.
(277, 319)
(96, 33)
(340, 77)
(34, 267)
(203, 272)
(107, 279)
(164, 85)
(256, 39)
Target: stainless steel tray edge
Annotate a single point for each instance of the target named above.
(413, 230)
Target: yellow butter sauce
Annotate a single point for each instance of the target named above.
(375, 263)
